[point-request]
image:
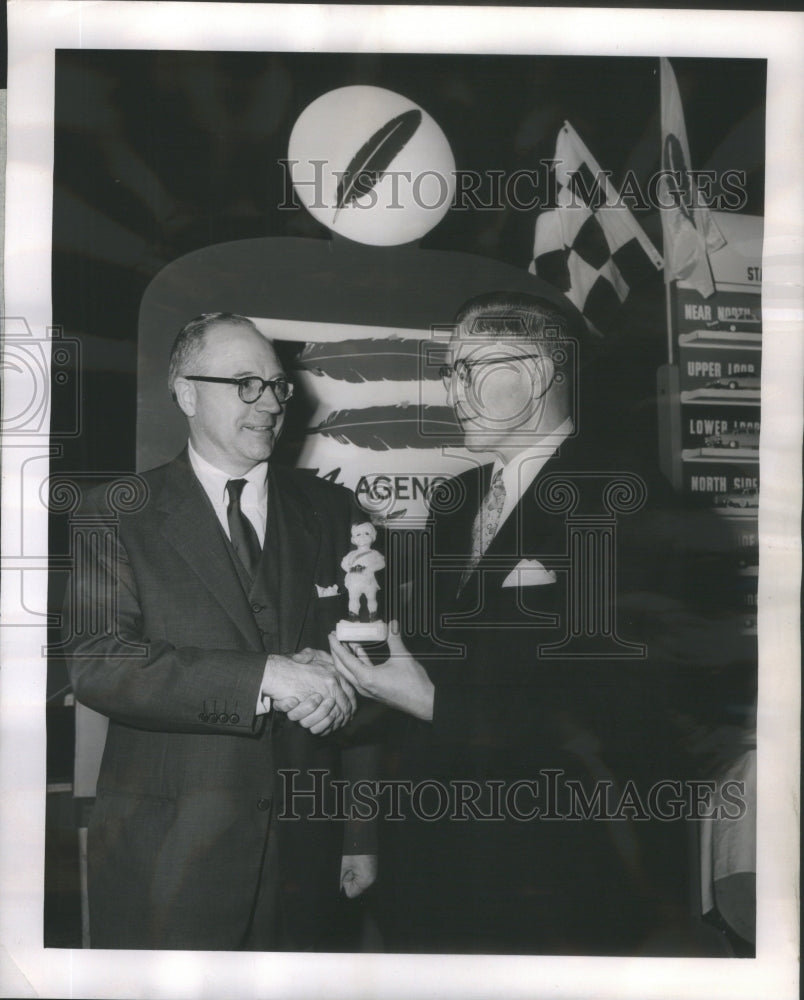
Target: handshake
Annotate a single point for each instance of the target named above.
(319, 690)
(307, 686)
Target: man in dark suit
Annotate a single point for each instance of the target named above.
(547, 665)
(210, 614)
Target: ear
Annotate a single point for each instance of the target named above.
(544, 374)
(185, 396)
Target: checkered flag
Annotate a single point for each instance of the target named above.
(589, 246)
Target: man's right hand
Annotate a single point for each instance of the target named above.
(309, 689)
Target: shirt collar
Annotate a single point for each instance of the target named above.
(521, 470)
(214, 480)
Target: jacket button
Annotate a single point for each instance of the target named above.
(223, 717)
(264, 804)
(257, 607)
(234, 719)
(213, 717)
(203, 716)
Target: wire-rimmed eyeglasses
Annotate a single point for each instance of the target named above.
(462, 369)
(251, 387)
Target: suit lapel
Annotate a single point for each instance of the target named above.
(452, 539)
(528, 530)
(192, 529)
(299, 540)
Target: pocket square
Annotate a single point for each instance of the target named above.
(529, 573)
(327, 591)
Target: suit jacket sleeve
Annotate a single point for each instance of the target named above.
(360, 765)
(117, 670)
(486, 711)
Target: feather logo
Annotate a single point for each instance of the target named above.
(370, 360)
(370, 162)
(382, 428)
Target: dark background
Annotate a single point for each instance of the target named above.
(161, 153)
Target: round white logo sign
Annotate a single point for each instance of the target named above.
(372, 166)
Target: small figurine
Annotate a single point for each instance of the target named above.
(360, 566)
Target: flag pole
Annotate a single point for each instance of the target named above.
(687, 235)
(668, 307)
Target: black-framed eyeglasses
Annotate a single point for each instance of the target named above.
(251, 387)
(462, 369)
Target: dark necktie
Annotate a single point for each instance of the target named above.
(241, 530)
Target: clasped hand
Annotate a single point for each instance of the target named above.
(317, 689)
(308, 688)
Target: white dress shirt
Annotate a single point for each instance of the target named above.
(253, 503)
(253, 499)
(522, 469)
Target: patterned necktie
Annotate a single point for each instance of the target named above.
(485, 525)
(241, 530)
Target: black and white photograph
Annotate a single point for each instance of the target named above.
(401, 501)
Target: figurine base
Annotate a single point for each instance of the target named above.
(347, 631)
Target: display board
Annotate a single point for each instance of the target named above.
(709, 394)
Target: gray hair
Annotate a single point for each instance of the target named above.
(512, 316)
(188, 347)
(520, 316)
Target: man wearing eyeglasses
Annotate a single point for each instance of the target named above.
(500, 871)
(219, 600)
